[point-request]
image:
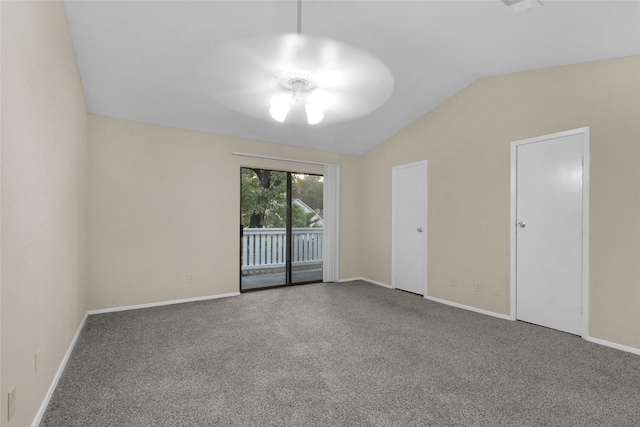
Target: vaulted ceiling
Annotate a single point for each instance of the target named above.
(143, 60)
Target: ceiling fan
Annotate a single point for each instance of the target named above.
(297, 78)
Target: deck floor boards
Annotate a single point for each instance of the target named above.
(268, 280)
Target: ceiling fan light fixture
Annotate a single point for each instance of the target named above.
(315, 114)
(300, 87)
(519, 6)
(349, 83)
(280, 107)
(279, 115)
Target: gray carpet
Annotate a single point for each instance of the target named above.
(351, 354)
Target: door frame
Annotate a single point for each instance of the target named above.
(289, 228)
(393, 218)
(586, 155)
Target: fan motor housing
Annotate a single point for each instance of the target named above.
(297, 80)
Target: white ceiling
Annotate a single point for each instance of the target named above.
(139, 60)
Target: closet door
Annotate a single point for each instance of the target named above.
(409, 217)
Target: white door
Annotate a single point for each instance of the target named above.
(548, 230)
(409, 217)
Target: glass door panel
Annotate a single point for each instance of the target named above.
(281, 228)
(307, 228)
(263, 228)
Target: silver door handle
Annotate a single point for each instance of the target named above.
(522, 224)
(420, 230)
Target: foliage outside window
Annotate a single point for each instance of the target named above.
(264, 199)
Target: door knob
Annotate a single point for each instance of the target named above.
(420, 230)
(522, 224)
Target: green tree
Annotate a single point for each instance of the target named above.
(264, 198)
(308, 188)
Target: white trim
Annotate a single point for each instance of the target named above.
(586, 238)
(512, 232)
(626, 348)
(384, 285)
(441, 301)
(349, 279)
(470, 308)
(497, 315)
(364, 279)
(393, 216)
(586, 153)
(56, 378)
(161, 303)
(282, 159)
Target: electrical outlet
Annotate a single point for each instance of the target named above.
(37, 361)
(495, 289)
(11, 407)
(478, 287)
(189, 278)
(453, 283)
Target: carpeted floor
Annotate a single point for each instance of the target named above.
(351, 354)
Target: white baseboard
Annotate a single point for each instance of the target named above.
(161, 303)
(56, 378)
(470, 308)
(441, 301)
(498, 315)
(384, 285)
(350, 279)
(507, 317)
(614, 345)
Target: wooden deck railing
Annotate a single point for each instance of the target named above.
(265, 247)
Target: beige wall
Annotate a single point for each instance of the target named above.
(466, 142)
(43, 208)
(165, 203)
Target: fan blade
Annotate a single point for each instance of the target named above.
(243, 75)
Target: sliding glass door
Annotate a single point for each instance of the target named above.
(281, 228)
